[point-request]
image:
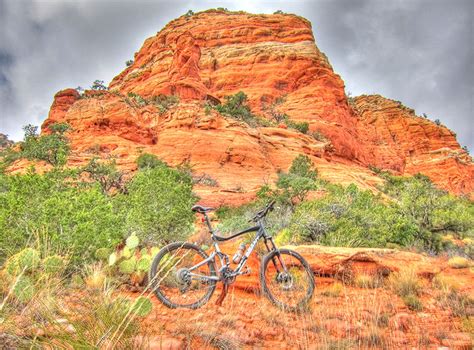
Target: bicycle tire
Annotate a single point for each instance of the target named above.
(266, 291)
(156, 287)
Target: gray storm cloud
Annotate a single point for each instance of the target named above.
(420, 52)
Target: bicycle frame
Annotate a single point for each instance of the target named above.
(224, 259)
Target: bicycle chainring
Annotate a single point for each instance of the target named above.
(227, 275)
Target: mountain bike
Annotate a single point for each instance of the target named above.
(183, 275)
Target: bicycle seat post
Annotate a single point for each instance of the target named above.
(208, 223)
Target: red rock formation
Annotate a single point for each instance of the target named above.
(399, 140)
(271, 58)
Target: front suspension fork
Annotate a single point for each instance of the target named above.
(271, 247)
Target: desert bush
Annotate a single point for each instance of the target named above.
(128, 63)
(99, 85)
(350, 217)
(431, 211)
(75, 216)
(205, 180)
(149, 161)
(302, 127)
(292, 187)
(52, 147)
(236, 107)
(105, 173)
(459, 303)
(367, 281)
(157, 204)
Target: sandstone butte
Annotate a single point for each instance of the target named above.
(203, 58)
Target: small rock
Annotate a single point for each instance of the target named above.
(160, 343)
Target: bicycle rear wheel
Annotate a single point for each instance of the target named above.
(173, 280)
(287, 280)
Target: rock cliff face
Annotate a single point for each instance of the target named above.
(399, 140)
(275, 61)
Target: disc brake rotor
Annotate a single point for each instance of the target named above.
(285, 279)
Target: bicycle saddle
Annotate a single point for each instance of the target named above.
(200, 209)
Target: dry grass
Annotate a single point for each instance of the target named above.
(334, 290)
(367, 281)
(445, 283)
(458, 262)
(405, 283)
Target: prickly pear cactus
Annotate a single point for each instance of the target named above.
(144, 263)
(23, 289)
(102, 254)
(28, 259)
(132, 241)
(11, 266)
(113, 259)
(53, 264)
(128, 266)
(126, 252)
(142, 306)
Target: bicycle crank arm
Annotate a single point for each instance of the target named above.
(196, 276)
(220, 299)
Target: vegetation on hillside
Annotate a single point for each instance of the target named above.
(84, 209)
(408, 212)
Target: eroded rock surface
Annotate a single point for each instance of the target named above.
(275, 61)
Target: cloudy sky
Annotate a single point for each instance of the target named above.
(420, 52)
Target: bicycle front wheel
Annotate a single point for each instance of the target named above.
(179, 280)
(287, 280)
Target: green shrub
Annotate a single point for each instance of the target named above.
(102, 254)
(52, 148)
(350, 217)
(431, 211)
(294, 186)
(99, 85)
(149, 161)
(302, 127)
(75, 217)
(236, 107)
(157, 206)
(105, 174)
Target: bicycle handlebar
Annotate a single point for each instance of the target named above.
(262, 213)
